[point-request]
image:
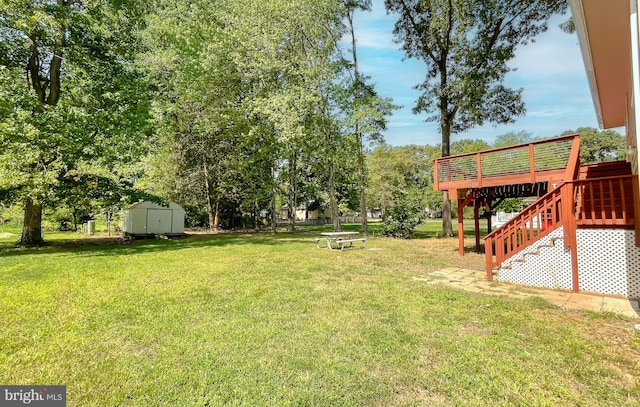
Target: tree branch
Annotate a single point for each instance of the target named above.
(425, 49)
(33, 70)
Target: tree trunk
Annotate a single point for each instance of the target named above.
(291, 204)
(445, 128)
(212, 214)
(361, 158)
(256, 215)
(362, 179)
(211, 211)
(274, 220)
(216, 217)
(335, 211)
(32, 227)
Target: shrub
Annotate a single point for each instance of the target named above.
(406, 212)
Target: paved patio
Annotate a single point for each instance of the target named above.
(476, 281)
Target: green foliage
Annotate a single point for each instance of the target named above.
(510, 205)
(512, 139)
(275, 108)
(599, 145)
(393, 171)
(81, 109)
(405, 213)
(568, 26)
(468, 146)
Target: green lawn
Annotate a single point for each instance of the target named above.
(262, 320)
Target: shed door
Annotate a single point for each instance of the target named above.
(159, 221)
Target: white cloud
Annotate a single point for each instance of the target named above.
(371, 38)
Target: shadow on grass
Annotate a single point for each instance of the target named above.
(429, 230)
(472, 249)
(116, 247)
(113, 246)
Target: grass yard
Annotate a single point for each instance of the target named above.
(263, 320)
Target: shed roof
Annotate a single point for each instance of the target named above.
(152, 205)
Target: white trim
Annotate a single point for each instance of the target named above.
(581, 29)
(635, 59)
(635, 71)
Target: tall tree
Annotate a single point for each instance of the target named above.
(200, 91)
(259, 107)
(73, 104)
(466, 45)
(288, 52)
(365, 111)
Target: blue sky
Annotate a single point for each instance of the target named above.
(551, 72)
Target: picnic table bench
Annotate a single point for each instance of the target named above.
(337, 240)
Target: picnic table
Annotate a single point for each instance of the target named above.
(337, 240)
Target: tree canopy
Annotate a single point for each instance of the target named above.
(74, 108)
(599, 145)
(238, 109)
(466, 46)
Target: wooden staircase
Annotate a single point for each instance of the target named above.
(595, 196)
(600, 197)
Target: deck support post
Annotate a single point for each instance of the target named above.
(569, 226)
(460, 224)
(489, 211)
(476, 220)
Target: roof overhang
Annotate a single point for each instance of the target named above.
(603, 27)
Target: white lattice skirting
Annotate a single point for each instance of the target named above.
(609, 263)
(551, 269)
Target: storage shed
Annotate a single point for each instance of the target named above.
(147, 218)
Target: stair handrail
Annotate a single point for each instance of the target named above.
(567, 216)
(522, 231)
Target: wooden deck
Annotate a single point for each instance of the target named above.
(540, 161)
(570, 195)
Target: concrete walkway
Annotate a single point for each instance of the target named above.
(476, 281)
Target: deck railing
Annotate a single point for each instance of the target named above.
(596, 202)
(524, 163)
(605, 201)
